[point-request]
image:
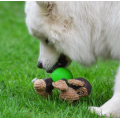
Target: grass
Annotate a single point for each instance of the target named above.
(18, 59)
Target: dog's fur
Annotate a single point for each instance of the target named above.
(82, 31)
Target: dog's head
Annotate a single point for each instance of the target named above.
(63, 31)
(43, 24)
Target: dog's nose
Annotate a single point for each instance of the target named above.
(39, 64)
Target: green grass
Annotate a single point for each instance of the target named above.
(18, 59)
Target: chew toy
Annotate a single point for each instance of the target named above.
(62, 79)
(61, 73)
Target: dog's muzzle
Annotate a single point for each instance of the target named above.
(63, 61)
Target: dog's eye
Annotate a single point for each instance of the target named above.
(47, 41)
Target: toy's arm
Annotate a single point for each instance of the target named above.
(60, 85)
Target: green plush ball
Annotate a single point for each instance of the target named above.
(61, 73)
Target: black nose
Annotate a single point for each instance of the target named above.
(39, 64)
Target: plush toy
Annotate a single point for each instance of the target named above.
(62, 79)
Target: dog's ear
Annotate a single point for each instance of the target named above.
(46, 5)
(41, 3)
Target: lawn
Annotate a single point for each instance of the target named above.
(18, 66)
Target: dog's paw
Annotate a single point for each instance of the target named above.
(102, 112)
(110, 109)
(96, 110)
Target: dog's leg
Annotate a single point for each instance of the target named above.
(112, 106)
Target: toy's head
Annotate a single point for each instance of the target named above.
(76, 88)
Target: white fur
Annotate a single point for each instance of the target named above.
(82, 31)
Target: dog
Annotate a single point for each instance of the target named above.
(77, 31)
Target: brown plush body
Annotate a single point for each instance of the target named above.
(76, 88)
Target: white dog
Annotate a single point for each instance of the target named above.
(78, 31)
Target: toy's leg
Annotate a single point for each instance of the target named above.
(43, 87)
(112, 106)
